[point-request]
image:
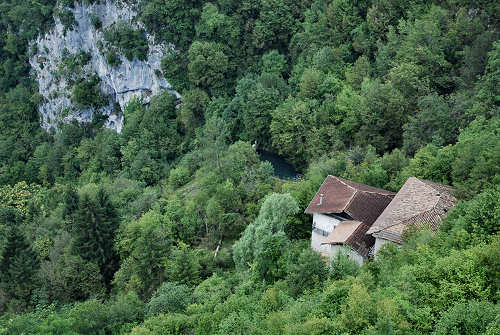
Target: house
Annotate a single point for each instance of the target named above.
(352, 208)
(350, 238)
(419, 202)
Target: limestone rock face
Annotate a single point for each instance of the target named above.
(135, 78)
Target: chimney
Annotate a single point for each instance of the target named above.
(320, 199)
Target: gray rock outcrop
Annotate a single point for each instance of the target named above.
(119, 84)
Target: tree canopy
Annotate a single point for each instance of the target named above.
(179, 224)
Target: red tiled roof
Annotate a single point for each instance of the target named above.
(419, 202)
(361, 202)
(361, 242)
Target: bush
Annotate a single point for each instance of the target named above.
(479, 217)
(183, 266)
(341, 266)
(273, 216)
(267, 265)
(169, 298)
(468, 318)
(307, 272)
(124, 309)
(112, 58)
(95, 21)
(67, 19)
(171, 324)
(212, 291)
(87, 93)
(90, 317)
(122, 37)
(333, 297)
(178, 177)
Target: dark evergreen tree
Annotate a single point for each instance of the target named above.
(70, 203)
(18, 264)
(93, 233)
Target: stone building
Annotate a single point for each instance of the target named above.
(418, 203)
(350, 207)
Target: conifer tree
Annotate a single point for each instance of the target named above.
(19, 263)
(93, 233)
(70, 203)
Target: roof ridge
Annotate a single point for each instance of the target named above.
(434, 185)
(400, 222)
(382, 194)
(361, 224)
(364, 191)
(350, 200)
(340, 179)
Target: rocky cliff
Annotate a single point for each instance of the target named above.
(54, 62)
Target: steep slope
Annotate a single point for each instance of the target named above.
(74, 59)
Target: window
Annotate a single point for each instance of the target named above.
(320, 231)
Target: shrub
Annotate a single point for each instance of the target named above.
(90, 317)
(468, 318)
(87, 93)
(479, 217)
(95, 21)
(178, 177)
(112, 58)
(342, 266)
(212, 291)
(122, 37)
(67, 19)
(267, 263)
(169, 298)
(309, 271)
(171, 324)
(183, 266)
(273, 216)
(124, 309)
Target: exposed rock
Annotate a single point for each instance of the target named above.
(130, 79)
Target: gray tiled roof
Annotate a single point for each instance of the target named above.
(419, 202)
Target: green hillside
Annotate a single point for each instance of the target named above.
(179, 223)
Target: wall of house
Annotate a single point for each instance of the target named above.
(335, 249)
(379, 242)
(321, 227)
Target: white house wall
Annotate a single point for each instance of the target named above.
(324, 222)
(379, 242)
(333, 250)
(322, 226)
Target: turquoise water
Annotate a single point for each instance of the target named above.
(282, 169)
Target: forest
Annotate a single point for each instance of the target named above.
(175, 225)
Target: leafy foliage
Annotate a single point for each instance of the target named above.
(176, 226)
(266, 232)
(169, 298)
(87, 93)
(122, 38)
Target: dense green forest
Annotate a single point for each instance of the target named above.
(176, 226)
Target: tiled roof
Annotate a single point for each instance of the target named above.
(362, 202)
(342, 232)
(353, 234)
(419, 202)
(360, 241)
